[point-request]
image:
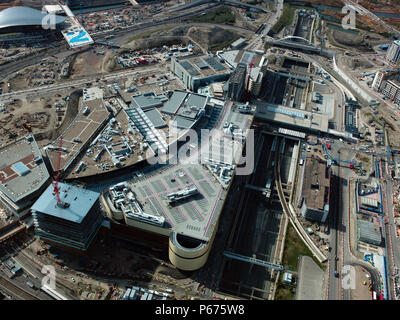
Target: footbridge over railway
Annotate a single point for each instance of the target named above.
(254, 260)
(302, 44)
(296, 43)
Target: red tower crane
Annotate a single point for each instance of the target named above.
(248, 78)
(56, 189)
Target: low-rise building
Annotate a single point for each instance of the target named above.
(23, 175)
(239, 43)
(369, 232)
(93, 116)
(199, 70)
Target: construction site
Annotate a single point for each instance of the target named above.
(40, 116)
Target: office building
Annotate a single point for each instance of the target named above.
(236, 83)
(73, 225)
(393, 53)
(199, 70)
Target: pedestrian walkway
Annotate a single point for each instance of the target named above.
(310, 280)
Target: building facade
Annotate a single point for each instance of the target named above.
(393, 53)
(72, 224)
(388, 83)
(237, 82)
(316, 188)
(198, 70)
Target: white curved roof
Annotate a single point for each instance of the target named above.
(23, 16)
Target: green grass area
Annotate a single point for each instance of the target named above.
(148, 33)
(221, 45)
(220, 15)
(271, 6)
(294, 247)
(284, 292)
(386, 35)
(285, 19)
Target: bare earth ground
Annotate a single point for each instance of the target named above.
(31, 106)
(87, 63)
(361, 291)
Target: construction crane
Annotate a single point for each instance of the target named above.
(248, 78)
(56, 189)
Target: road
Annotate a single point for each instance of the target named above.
(258, 43)
(340, 236)
(392, 242)
(74, 83)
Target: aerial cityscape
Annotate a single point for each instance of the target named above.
(199, 150)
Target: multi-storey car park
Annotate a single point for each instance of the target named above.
(23, 174)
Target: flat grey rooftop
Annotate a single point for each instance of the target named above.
(173, 104)
(148, 100)
(196, 216)
(189, 68)
(310, 280)
(156, 118)
(193, 104)
(20, 175)
(369, 231)
(295, 117)
(80, 201)
(184, 123)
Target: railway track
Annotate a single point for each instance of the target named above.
(37, 270)
(15, 290)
